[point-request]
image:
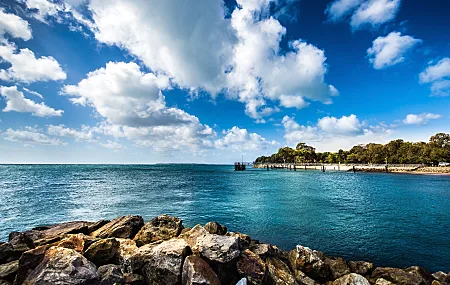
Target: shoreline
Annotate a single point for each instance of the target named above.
(128, 251)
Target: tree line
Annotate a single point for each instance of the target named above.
(395, 152)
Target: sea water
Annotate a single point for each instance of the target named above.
(390, 219)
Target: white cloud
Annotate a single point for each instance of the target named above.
(200, 49)
(363, 12)
(295, 133)
(420, 119)
(13, 25)
(390, 50)
(39, 95)
(112, 145)
(85, 134)
(25, 67)
(16, 101)
(30, 135)
(240, 139)
(346, 125)
(439, 75)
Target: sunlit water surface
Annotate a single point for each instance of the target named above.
(390, 219)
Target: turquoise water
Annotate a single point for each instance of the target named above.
(390, 219)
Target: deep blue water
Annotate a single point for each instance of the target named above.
(390, 219)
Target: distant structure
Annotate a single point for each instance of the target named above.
(239, 166)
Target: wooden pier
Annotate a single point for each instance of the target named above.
(239, 166)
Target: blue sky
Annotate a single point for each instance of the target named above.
(115, 81)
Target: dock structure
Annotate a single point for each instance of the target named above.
(239, 166)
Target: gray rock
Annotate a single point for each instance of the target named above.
(133, 279)
(63, 266)
(193, 234)
(279, 273)
(337, 267)
(243, 281)
(251, 266)
(309, 262)
(162, 227)
(29, 261)
(440, 276)
(127, 248)
(8, 271)
(196, 271)
(4, 282)
(264, 250)
(103, 251)
(122, 227)
(397, 276)
(381, 281)
(110, 275)
(215, 228)
(351, 279)
(361, 267)
(217, 248)
(420, 273)
(7, 253)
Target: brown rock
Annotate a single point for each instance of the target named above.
(303, 279)
(215, 228)
(264, 250)
(440, 276)
(102, 251)
(20, 242)
(381, 281)
(110, 275)
(351, 279)
(126, 250)
(122, 227)
(279, 273)
(397, 276)
(160, 228)
(54, 233)
(245, 241)
(360, 267)
(309, 262)
(337, 267)
(133, 279)
(192, 235)
(196, 271)
(7, 253)
(8, 271)
(95, 226)
(251, 266)
(420, 273)
(75, 242)
(29, 261)
(63, 266)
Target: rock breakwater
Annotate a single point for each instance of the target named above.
(128, 251)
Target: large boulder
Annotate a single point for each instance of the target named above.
(75, 242)
(20, 242)
(217, 248)
(127, 248)
(110, 275)
(193, 234)
(309, 262)
(215, 228)
(29, 261)
(7, 253)
(51, 234)
(441, 276)
(161, 263)
(279, 273)
(63, 266)
(397, 276)
(196, 271)
(8, 271)
(361, 267)
(264, 250)
(162, 227)
(251, 266)
(122, 227)
(133, 279)
(351, 279)
(103, 251)
(422, 274)
(382, 281)
(337, 267)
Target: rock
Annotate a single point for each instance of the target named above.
(7, 253)
(133, 279)
(184, 230)
(162, 263)
(95, 226)
(8, 271)
(337, 267)
(215, 228)
(54, 233)
(216, 248)
(251, 266)
(29, 261)
(75, 242)
(309, 262)
(351, 279)
(20, 242)
(279, 273)
(243, 281)
(440, 276)
(397, 276)
(361, 267)
(245, 241)
(435, 282)
(196, 271)
(420, 273)
(110, 275)
(102, 251)
(303, 279)
(160, 228)
(4, 282)
(264, 250)
(63, 266)
(127, 248)
(122, 227)
(192, 235)
(381, 281)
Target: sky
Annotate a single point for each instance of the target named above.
(206, 81)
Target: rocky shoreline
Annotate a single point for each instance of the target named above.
(128, 251)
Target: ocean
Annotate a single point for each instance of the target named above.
(390, 219)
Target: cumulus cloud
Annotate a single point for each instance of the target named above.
(420, 119)
(390, 50)
(438, 75)
(13, 25)
(346, 125)
(16, 101)
(240, 139)
(25, 67)
(30, 135)
(85, 134)
(39, 95)
(112, 145)
(362, 13)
